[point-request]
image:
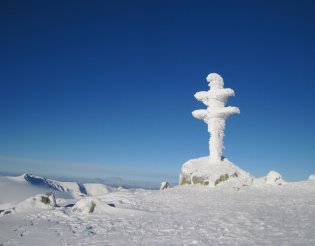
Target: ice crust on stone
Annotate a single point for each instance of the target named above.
(212, 173)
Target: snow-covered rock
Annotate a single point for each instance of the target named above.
(50, 199)
(311, 177)
(165, 185)
(274, 177)
(40, 201)
(90, 205)
(206, 172)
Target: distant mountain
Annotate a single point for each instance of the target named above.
(62, 183)
(43, 182)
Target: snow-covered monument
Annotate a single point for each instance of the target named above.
(213, 169)
(216, 113)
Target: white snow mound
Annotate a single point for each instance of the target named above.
(90, 205)
(274, 177)
(97, 189)
(207, 172)
(311, 177)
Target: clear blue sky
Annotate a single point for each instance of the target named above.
(105, 88)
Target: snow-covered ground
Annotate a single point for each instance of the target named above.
(260, 214)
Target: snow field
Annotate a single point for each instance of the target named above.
(186, 215)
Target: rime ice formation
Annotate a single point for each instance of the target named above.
(216, 113)
(213, 170)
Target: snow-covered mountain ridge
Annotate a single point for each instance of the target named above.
(27, 185)
(72, 187)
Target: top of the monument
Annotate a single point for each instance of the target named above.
(215, 80)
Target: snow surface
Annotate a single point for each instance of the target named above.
(184, 215)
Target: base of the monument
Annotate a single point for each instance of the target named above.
(206, 172)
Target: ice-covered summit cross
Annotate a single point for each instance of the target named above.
(216, 113)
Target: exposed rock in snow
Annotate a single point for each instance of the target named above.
(207, 172)
(50, 199)
(165, 185)
(311, 177)
(90, 205)
(8, 211)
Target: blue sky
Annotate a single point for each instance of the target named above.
(105, 88)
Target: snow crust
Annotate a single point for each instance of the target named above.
(184, 215)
